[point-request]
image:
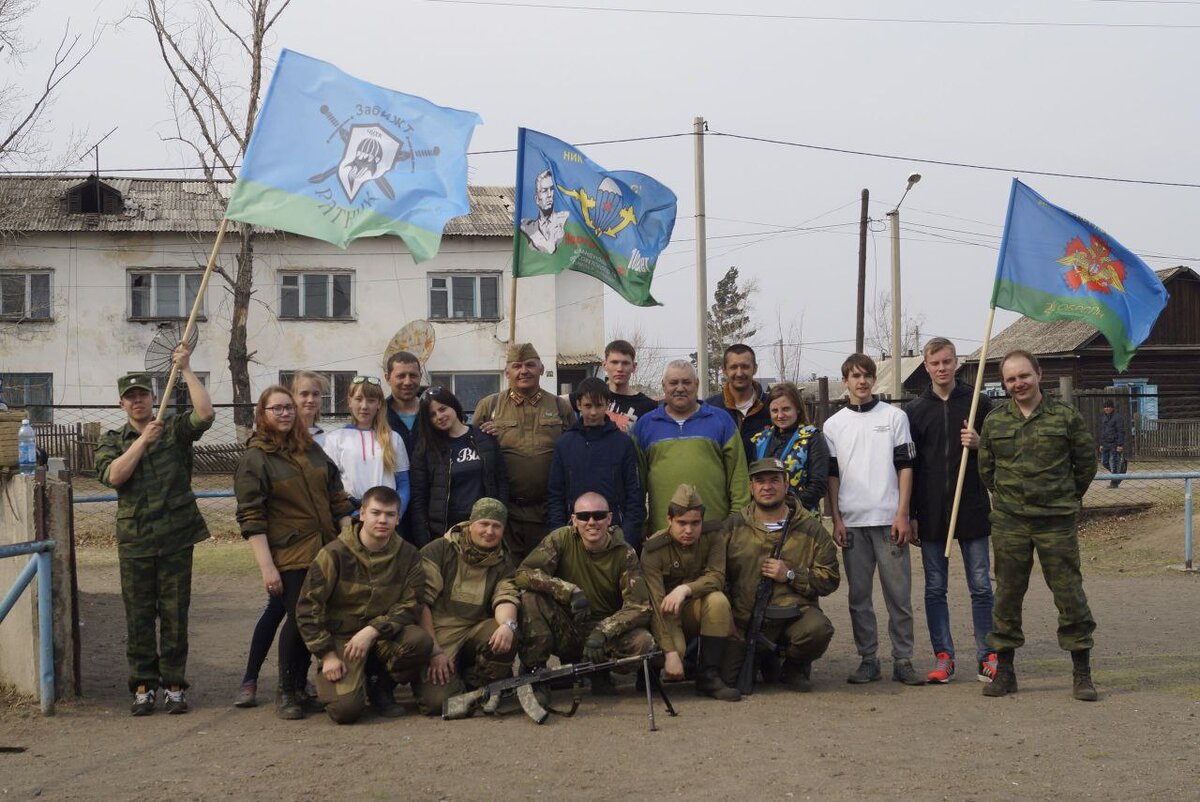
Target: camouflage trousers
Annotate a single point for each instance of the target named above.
(801, 640)
(475, 665)
(402, 658)
(1058, 552)
(157, 592)
(547, 628)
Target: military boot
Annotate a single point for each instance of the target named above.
(288, 706)
(1081, 664)
(1005, 681)
(381, 692)
(797, 675)
(709, 683)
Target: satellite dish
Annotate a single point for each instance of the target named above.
(416, 337)
(166, 340)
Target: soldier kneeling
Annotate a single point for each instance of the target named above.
(584, 595)
(471, 607)
(684, 566)
(805, 570)
(358, 613)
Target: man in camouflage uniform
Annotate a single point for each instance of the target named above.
(806, 569)
(526, 420)
(1037, 458)
(470, 607)
(358, 610)
(684, 567)
(149, 463)
(584, 595)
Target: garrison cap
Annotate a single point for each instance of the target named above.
(488, 509)
(136, 379)
(519, 352)
(767, 465)
(688, 497)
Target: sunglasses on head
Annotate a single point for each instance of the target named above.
(592, 515)
(430, 392)
(368, 379)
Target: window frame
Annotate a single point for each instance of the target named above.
(38, 412)
(156, 274)
(302, 277)
(439, 377)
(25, 315)
(181, 397)
(477, 277)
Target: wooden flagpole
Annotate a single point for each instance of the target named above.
(962, 463)
(187, 332)
(512, 310)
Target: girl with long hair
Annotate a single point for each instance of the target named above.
(366, 450)
(290, 502)
(309, 388)
(454, 466)
(795, 441)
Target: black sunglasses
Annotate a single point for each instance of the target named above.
(592, 515)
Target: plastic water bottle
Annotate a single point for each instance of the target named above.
(26, 448)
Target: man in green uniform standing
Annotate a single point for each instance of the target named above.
(584, 595)
(526, 420)
(149, 463)
(1037, 458)
(684, 566)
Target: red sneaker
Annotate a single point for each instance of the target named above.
(987, 668)
(943, 669)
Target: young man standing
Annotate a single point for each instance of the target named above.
(624, 405)
(938, 421)
(149, 464)
(870, 483)
(1037, 457)
(741, 396)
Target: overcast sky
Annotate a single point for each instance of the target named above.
(1096, 87)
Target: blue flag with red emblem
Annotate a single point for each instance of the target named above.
(1055, 265)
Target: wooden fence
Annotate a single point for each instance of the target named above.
(1168, 438)
(76, 443)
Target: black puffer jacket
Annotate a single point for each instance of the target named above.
(430, 475)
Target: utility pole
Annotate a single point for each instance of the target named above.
(701, 263)
(862, 273)
(897, 342)
(782, 368)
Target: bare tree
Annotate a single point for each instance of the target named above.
(788, 349)
(214, 54)
(879, 328)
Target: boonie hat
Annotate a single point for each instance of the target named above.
(133, 380)
(767, 465)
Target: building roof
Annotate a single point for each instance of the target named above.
(1056, 337)
(883, 372)
(578, 360)
(38, 204)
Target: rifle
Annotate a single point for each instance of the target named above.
(488, 697)
(762, 598)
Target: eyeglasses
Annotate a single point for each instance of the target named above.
(592, 515)
(430, 392)
(367, 379)
(281, 410)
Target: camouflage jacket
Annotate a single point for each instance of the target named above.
(156, 508)
(295, 501)
(611, 578)
(666, 564)
(349, 587)
(808, 550)
(1039, 467)
(464, 585)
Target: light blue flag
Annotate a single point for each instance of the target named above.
(336, 158)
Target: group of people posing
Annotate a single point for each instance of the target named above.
(414, 547)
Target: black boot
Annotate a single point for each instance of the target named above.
(797, 675)
(381, 689)
(709, 683)
(288, 706)
(1084, 690)
(1005, 681)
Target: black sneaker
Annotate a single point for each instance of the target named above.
(176, 701)
(903, 671)
(143, 701)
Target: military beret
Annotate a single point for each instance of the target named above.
(136, 379)
(488, 509)
(688, 497)
(767, 465)
(519, 352)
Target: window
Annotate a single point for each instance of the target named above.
(462, 297)
(339, 383)
(163, 295)
(33, 392)
(470, 388)
(24, 296)
(316, 296)
(179, 396)
(94, 197)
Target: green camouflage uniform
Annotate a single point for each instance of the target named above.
(610, 578)
(1037, 469)
(667, 564)
(526, 430)
(158, 523)
(463, 586)
(348, 588)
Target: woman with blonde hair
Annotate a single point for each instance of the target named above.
(796, 442)
(367, 451)
(309, 388)
(290, 503)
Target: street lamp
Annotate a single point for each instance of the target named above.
(897, 343)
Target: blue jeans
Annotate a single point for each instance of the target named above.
(977, 563)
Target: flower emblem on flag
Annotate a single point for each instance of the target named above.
(1092, 268)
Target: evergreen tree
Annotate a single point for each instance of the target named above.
(727, 322)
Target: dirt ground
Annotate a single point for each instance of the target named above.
(1140, 741)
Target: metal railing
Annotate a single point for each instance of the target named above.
(1187, 477)
(39, 565)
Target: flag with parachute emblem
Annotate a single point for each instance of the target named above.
(572, 214)
(1056, 265)
(335, 158)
